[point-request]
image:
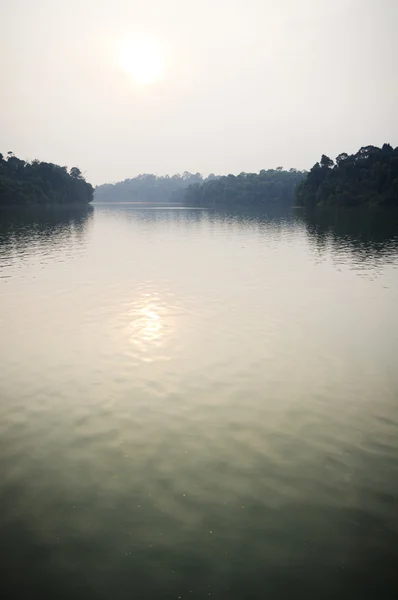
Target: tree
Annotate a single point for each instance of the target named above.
(76, 173)
(341, 158)
(40, 182)
(149, 188)
(326, 162)
(365, 178)
(246, 189)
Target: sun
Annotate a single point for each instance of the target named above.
(141, 59)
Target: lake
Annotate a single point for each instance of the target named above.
(198, 404)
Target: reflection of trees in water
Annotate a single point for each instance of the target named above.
(273, 216)
(41, 226)
(368, 235)
(157, 214)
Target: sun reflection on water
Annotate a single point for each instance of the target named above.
(150, 325)
(147, 323)
(153, 324)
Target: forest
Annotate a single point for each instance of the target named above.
(272, 185)
(23, 183)
(149, 188)
(367, 178)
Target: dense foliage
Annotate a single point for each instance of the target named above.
(274, 185)
(148, 188)
(369, 177)
(40, 182)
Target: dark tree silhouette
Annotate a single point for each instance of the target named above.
(41, 182)
(369, 177)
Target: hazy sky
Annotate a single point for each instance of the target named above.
(247, 84)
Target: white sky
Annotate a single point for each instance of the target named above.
(248, 84)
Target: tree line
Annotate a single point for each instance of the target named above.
(37, 182)
(369, 177)
(272, 185)
(194, 189)
(149, 188)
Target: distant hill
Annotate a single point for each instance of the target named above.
(38, 182)
(267, 186)
(149, 188)
(369, 177)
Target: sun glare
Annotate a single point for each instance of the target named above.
(141, 60)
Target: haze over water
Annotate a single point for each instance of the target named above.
(198, 404)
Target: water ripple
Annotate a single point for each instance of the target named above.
(198, 403)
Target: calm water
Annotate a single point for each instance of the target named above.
(198, 404)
